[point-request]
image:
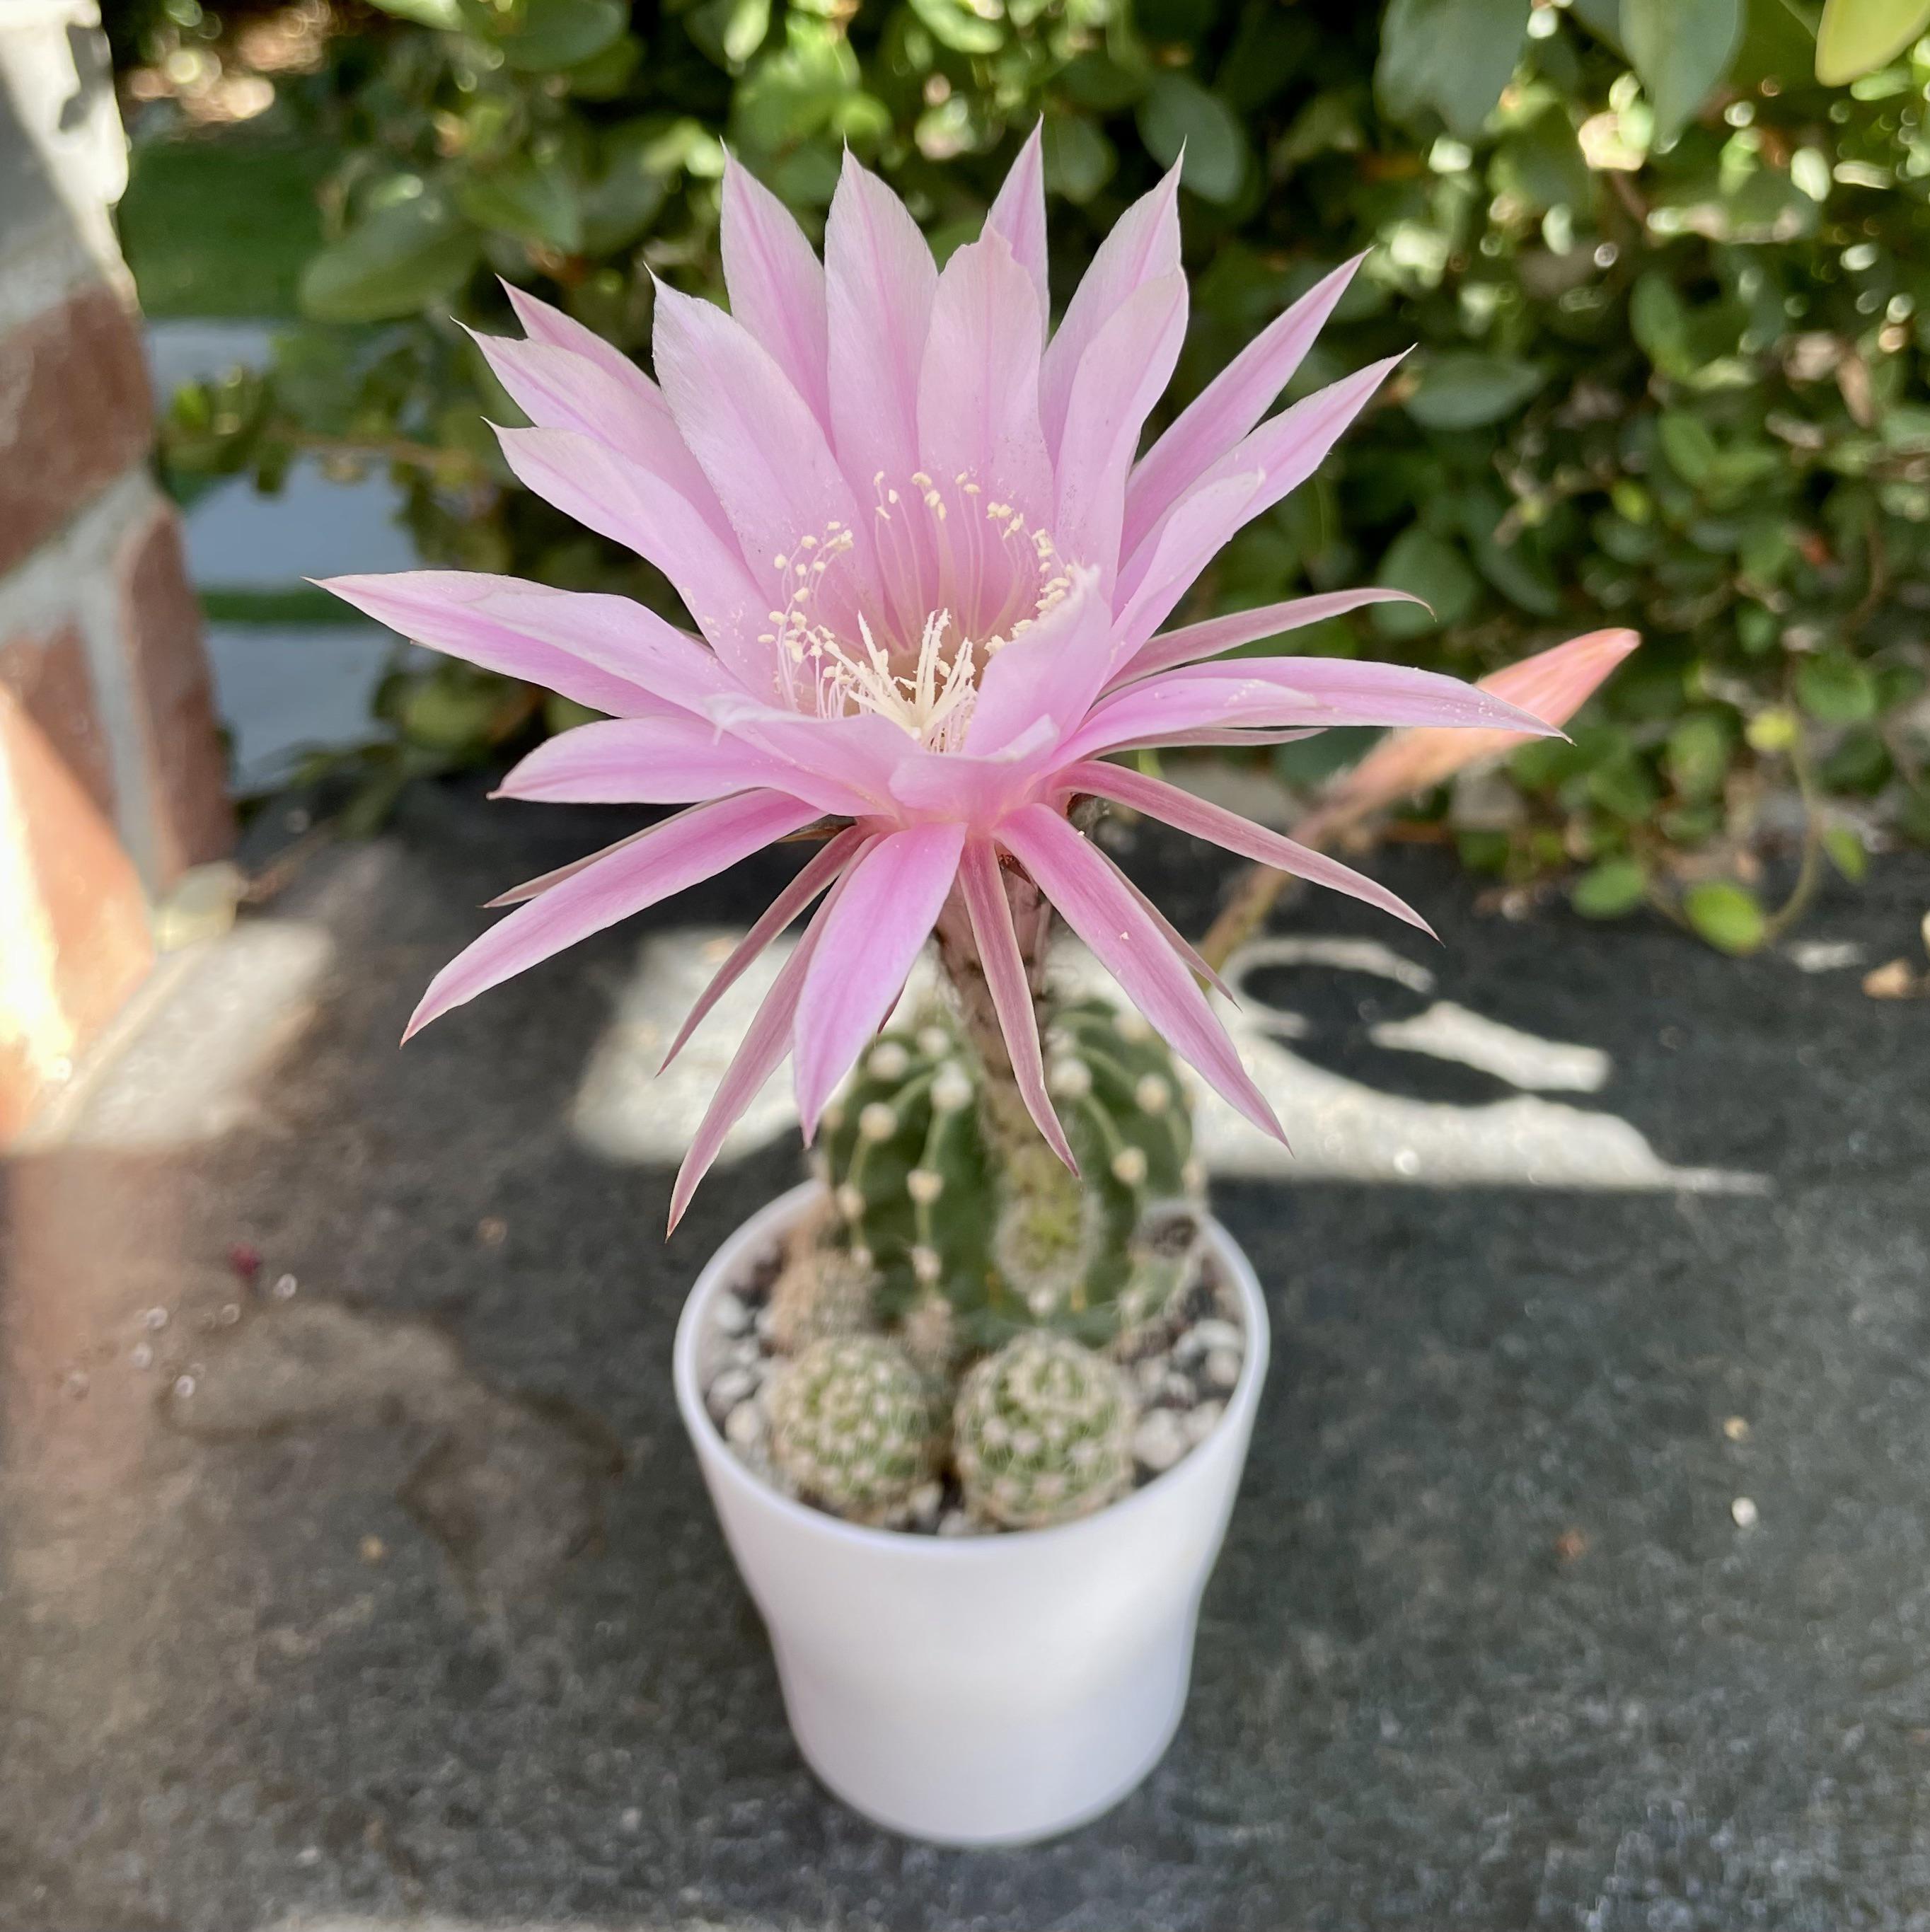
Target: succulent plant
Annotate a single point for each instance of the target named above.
(853, 1425)
(1042, 1432)
(1003, 1233)
(820, 1292)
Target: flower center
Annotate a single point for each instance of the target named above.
(959, 574)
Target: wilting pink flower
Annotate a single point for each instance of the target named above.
(929, 577)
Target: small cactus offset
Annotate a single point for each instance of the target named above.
(1042, 1433)
(853, 1425)
(1004, 1233)
(820, 1293)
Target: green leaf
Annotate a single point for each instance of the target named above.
(414, 253)
(528, 199)
(445, 16)
(1835, 689)
(1847, 852)
(1453, 56)
(954, 24)
(1679, 49)
(1465, 389)
(1729, 917)
(1609, 889)
(1431, 568)
(620, 204)
(1078, 159)
(1857, 37)
(1691, 451)
(1178, 114)
(536, 36)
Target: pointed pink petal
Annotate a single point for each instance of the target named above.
(542, 322)
(891, 899)
(977, 791)
(1119, 379)
(692, 847)
(762, 449)
(1143, 245)
(1086, 888)
(776, 285)
(1196, 962)
(643, 510)
(534, 888)
(990, 912)
(764, 1046)
(558, 390)
(1172, 806)
(1019, 215)
(1167, 565)
(1290, 693)
(859, 756)
(824, 866)
(641, 761)
(1553, 685)
(1286, 449)
(1228, 408)
(463, 612)
(1053, 670)
(879, 282)
(1171, 648)
(978, 384)
(626, 639)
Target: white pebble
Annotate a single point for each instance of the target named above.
(1200, 1423)
(1214, 1333)
(1743, 1509)
(1222, 1367)
(730, 1388)
(1150, 1373)
(1159, 1440)
(1178, 1390)
(956, 1523)
(730, 1315)
(744, 1426)
(922, 1505)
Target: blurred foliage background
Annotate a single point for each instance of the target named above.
(1669, 295)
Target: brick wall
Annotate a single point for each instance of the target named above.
(111, 767)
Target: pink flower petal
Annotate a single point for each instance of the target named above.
(1086, 888)
(990, 912)
(1019, 215)
(776, 285)
(534, 888)
(557, 389)
(856, 758)
(1053, 670)
(1171, 648)
(1230, 405)
(470, 616)
(1144, 245)
(1119, 379)
(764, 1046)
(641, 761)
(1290, 693)
(1172, 806)
(544, 323)
(978, 384)
(891, 899)
(824, 866)
(645, 510)
(693, 846)
(763, 451)
(1167, 566)
(1286, 449)
(879, 282)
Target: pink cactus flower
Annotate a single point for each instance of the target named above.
(929, 577)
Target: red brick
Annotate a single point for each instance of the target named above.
(160, 624)
(75, 411)
(72, 909)
(49, 676)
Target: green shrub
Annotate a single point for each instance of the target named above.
(1676, 382)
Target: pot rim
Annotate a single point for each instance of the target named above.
(719, 1456)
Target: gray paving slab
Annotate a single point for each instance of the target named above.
(357, 1575)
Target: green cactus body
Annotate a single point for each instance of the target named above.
(853, 1425)
(1004, 1233)
(1042, 1433)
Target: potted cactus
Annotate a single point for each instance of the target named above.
(973, 1402)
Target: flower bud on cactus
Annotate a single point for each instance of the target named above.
(1001, 1231)
(853, 1425)
(1042, 1433)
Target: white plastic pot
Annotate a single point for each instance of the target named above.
(977, 1690)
